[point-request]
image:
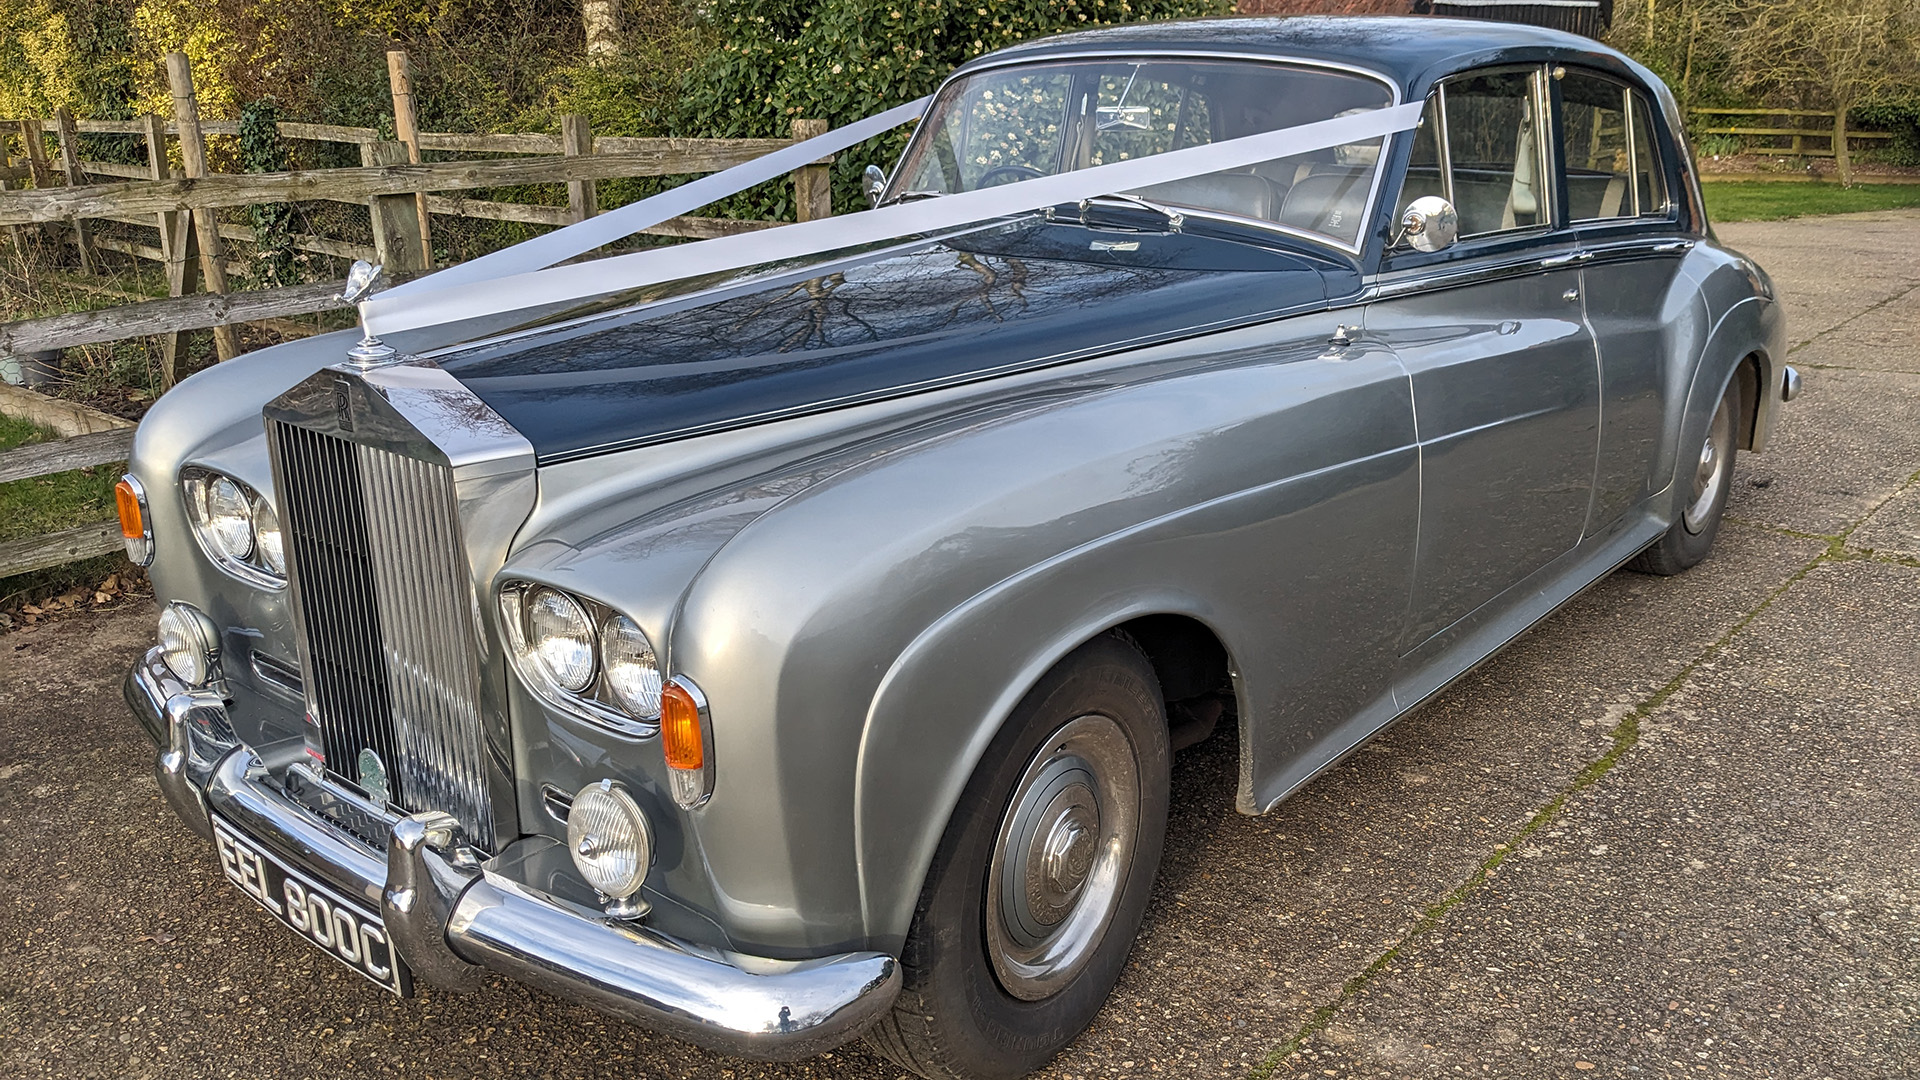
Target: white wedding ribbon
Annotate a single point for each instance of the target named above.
(603, 229)
(431, 302)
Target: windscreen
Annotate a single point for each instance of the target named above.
(1003, 125)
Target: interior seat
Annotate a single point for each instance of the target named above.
(1330, 203)
(1227, 192)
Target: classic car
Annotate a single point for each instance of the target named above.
(794, 654)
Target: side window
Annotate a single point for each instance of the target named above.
(1595, 141)
(1613, 164)
(1650, 178)
(1492, 141)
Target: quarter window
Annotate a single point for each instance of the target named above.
(1613, 166)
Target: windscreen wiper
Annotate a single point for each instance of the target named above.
(1174, 218)
(906, 196)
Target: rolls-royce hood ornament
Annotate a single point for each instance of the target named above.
(362, 279)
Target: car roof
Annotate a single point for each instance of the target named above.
(1411, 51)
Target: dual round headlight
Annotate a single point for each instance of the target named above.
(589, 654)
(236, 526)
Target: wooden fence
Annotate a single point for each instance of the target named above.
(1773, 125)
(52, 188)
(400, 190)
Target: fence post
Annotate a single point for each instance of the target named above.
(406, 128)
(576, 139)
(177, 248)
(812, 184)
(1842, 155)
(206, 228)
(396, 220)
(7, 184)
(36, 153)
(70, 166)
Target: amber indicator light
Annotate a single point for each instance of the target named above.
(680, 733)
(131, 525)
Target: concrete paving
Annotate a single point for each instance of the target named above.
(1673, 831)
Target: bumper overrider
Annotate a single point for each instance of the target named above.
(454, 923)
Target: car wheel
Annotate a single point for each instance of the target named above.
(1688, 539)
(1039, 884)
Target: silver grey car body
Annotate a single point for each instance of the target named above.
(1333, 505)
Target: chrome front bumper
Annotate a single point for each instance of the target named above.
(453, 923)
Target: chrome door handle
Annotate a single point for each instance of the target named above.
(1673, 246)
(1566, 260)
(1570, 295)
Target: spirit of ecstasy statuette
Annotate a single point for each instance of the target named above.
(371, 352)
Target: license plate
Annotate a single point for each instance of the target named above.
(342, 929)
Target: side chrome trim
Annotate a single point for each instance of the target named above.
(1432, 279)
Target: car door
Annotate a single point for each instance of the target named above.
(1631, 248)
(1504, 374)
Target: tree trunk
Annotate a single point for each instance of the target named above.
(602, 21)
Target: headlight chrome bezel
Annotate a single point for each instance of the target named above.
(196, 486)
(200, 638)
(597, 703)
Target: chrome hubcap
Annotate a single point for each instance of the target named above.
(1062, 856)
(1710, 476)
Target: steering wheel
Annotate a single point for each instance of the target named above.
(1008, 174)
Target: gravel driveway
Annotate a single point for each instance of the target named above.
(1674, 831)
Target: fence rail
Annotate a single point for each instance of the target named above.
(1834, 133)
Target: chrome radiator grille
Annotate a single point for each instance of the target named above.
(385, 613)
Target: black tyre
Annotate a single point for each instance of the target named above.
(1038, 887)
(1689, 538)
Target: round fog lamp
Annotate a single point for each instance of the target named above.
(230, 518)
(186, 644)
(561, 637)
(632, 670)
(609, 839)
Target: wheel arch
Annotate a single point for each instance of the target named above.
(1741, 349)
(899, 820)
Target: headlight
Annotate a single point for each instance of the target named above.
(582, 657)
(236, 527)
(230, 518)
(561, 637)
(630, 668)
(268, 542)
(609, 839)
(188, 643)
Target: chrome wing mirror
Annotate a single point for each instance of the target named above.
(876, 182)
(1430, 224)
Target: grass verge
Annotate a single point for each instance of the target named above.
(1762, 200)
(44, 504)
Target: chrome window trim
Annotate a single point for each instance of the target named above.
(1437, 278)
(1546, 177)
(1634, 102)
(1373, 191)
